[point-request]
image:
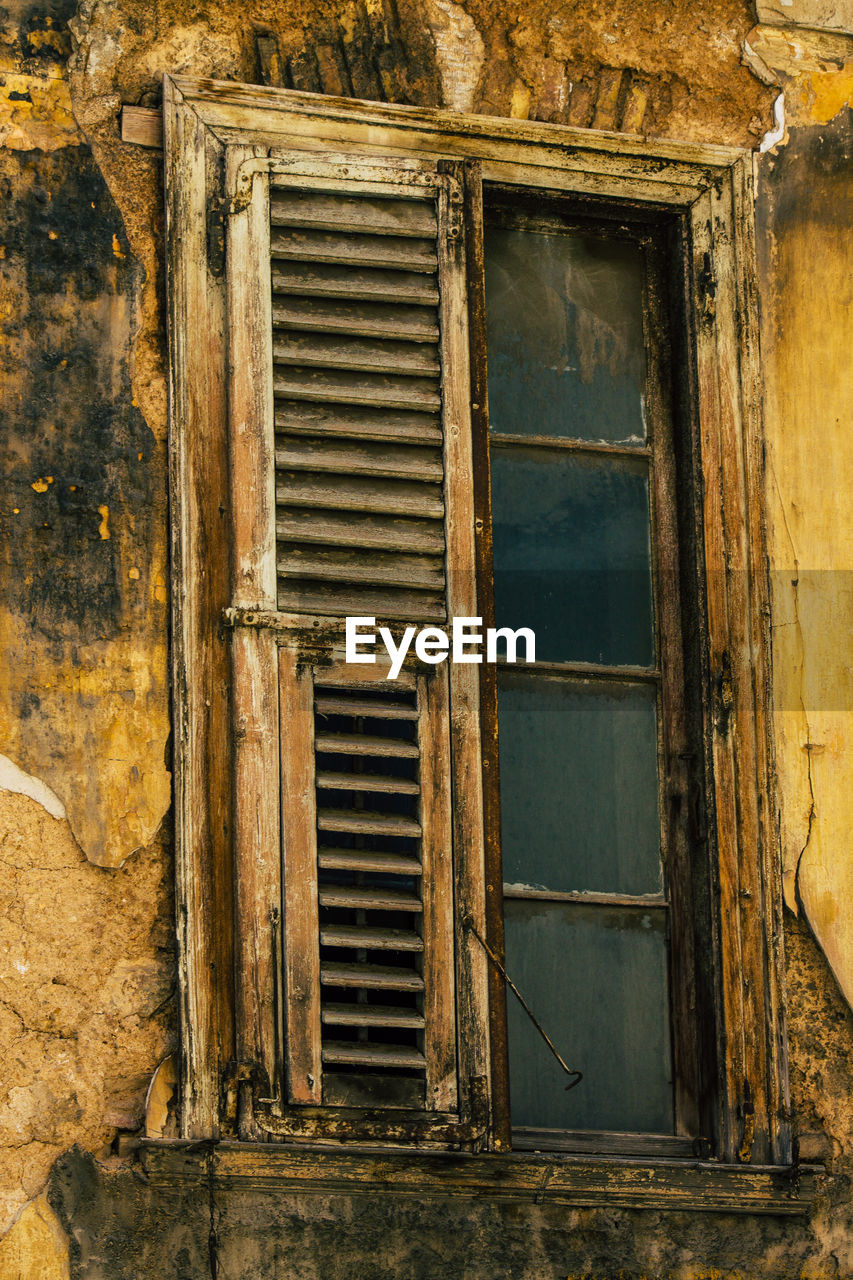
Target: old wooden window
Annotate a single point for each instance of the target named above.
(341, 278)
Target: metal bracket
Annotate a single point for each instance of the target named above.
(234, 617)
(220, 208)
(234, 1075)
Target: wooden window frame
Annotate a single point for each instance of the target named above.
(212, 128)
(667, 414)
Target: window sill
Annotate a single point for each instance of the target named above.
(577, 1180)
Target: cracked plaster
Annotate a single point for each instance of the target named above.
(87, 987)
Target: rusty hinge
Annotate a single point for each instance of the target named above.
(221, 207)
(450, 171)
(234, 616)
(237, 1078)
(747, 1114)
(724, 699)
(216, 236)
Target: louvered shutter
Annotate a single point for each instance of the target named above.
(363, 464)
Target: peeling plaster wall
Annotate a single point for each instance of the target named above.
(87, 973)
(806, 212)
(87, 996)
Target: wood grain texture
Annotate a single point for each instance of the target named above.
(255, 697)
(712, 186)
(200, 590)
(571, 1180)
(437, 890)
(753, 1063)
(299, 850)
(142, 126)
(462, 602)
(224, 104)
(493, 869)
(675, 746)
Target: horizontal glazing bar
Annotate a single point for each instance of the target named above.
(652, 901)
(583, 671)
(638, 450)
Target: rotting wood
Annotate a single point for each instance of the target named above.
(200, 590)
(437, 881)
(303, 1068)
(572, 1180)
(671, 576)
(466, 754)
(481, 486)
(254, 686)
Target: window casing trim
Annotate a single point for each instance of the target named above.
(712, 189)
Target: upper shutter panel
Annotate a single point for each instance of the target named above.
(356, 369)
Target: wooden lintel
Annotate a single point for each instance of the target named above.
(142, 125)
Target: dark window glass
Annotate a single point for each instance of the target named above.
(565, 335)
(571, 554)
(579, 792)
(597, 980)
(584, 893)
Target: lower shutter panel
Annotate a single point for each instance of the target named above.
(369, 985)
(369, 894)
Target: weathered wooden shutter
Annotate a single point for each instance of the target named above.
(356, 357)
(364, 467)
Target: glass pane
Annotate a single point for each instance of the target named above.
(564, 335)
(596, 979)
(571, 554)
(579, 785)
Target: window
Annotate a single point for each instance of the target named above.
(341, 277)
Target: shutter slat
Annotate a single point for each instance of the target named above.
(329, 704)
(366, 782)
(384, 461)
(359, 355)
(375, 1055)
(324, 421)
(368, 899)
(364, 823)
(370, 976)
(371, 1015)
(356, 566)
(389, 252)
(362, 745)
(366, 319)
(359, 530)
(297, 595)
(362, 860)
(362, 936)
(352, 493)
(399, 217)
(333, 387)
(355, 285)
